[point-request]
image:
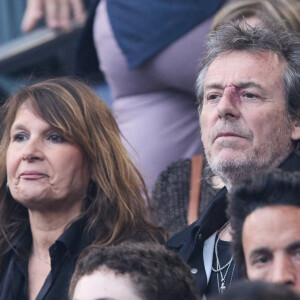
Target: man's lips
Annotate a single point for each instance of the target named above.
(227, 134)
(32, 175)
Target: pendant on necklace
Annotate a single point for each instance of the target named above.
(222, 288)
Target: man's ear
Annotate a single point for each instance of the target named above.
(295, 130)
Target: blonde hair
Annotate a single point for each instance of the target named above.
(285, 11)
(116, 207)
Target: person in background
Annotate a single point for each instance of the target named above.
(264, 213)
(59, 14)
(248, 89)
(137, 271)
(286, 12)
(149, 52)
(66, 182)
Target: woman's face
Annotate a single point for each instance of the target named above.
(44, 171)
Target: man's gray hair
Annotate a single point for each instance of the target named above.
(234, 36)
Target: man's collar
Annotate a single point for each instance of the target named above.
(292, 163)
(211, 220)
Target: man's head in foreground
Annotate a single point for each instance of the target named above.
(132, 271)
(257, 290)
(264, 212)
(249, 91)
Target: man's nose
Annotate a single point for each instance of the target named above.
(32, 150)
(228, 104)
(283, 271)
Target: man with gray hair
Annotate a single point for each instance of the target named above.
(249, 94)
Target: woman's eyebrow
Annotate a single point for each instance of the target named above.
(18, 127)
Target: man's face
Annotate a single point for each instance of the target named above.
(243, 118)
(271, 245)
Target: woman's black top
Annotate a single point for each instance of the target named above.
(64, 253)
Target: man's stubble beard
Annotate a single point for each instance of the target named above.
(269, 156)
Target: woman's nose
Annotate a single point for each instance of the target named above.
(32, 150)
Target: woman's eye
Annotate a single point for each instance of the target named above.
(55, 138)
(19, 137)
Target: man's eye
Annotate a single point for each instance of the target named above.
(261, 260)
(297, 253)
(212, 96)
(249, 95)
(19, 137)
(55, 138)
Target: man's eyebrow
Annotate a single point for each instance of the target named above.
(259, 251)
(213, 86)
(249, 84)
(238, 85)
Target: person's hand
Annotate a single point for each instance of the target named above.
(58, 13)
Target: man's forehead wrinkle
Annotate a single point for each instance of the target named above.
(238, 85)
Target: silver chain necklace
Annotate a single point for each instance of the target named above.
(219, 269)
(40, 258)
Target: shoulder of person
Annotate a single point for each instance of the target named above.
(183, 240)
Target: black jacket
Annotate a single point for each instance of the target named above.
(189, 243)
(64, 253)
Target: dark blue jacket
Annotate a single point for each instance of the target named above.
(144, 27)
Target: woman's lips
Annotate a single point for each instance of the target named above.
(31, 175)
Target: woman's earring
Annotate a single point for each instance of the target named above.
(92, 190)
